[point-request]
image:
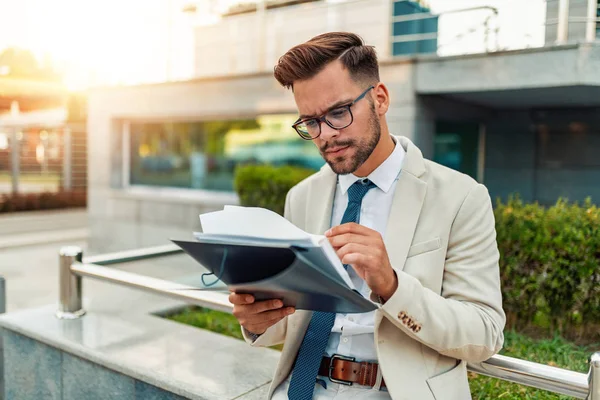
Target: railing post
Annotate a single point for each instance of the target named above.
(15, 153)
(562, 34)
(67, 180)
(69, 306)
(590, 31)
(2, 311)
(594, 377)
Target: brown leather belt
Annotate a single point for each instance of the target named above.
(346, 371)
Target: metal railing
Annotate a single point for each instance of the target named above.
(489, 26)
(73, 267)
(38, 157)
(485, 32)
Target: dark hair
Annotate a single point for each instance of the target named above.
(306, 60)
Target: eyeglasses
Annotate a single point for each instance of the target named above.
(337, 118)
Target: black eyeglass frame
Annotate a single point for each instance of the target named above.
(323, 118)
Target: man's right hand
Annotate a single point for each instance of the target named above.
(257, 317)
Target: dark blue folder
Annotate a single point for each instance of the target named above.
(301, 276)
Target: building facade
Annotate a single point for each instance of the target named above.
(523, 121)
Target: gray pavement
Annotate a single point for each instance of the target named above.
(40, 227)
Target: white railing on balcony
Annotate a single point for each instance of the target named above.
(252, 42)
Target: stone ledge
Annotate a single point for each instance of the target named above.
(179, 359)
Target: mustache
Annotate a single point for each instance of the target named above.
(341, 143)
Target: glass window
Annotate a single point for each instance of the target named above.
(456, 145)
(203, 155)
(566, 158)
(40, 159)
(598, 23)
(417, 27)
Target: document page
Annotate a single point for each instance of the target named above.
(266, 226)
(333, 258)
(252, 222)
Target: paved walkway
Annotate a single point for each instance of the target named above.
(37, 227)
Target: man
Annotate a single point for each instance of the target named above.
(415, 236)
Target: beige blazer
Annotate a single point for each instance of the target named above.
(447, 311)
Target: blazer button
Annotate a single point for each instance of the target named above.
(417, 328)
(401, 315)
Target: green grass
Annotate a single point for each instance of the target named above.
(556, 352)
(215, 321)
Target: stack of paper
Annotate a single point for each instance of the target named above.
(256, 251)
(263, 227)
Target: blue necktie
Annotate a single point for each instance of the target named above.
(316, 338)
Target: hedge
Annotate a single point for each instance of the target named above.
(266, 186)
(42, 201)
(550, 266)
(549, 256)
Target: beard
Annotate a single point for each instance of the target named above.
(363, 148)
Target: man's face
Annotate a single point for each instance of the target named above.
(345, 150)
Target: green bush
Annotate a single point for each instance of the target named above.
(266, 186)
(550, 266)
(42, 201)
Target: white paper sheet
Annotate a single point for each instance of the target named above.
(251, 222)
(256, 222)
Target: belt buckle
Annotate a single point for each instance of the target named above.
(343, 358)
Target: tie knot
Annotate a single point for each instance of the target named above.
(359, 189)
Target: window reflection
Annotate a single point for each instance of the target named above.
(203, 155)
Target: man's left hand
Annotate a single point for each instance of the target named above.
(364, 250)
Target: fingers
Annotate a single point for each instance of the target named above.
(240, 298)
(261, 322)
(358, 261)
(263, 309)
(257, 316)
(351, 248)
(343, 239)
(351, 227)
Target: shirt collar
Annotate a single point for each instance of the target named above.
(383, 176)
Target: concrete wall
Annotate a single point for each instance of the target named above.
(129, 217)
(538, 68)
(254, 42)
(37, 371)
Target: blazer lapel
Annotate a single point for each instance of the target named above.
(406, 205)
(320, 201)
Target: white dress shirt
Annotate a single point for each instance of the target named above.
(352, 334)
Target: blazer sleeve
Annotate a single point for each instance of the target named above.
(466, 321)
(276, 333)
